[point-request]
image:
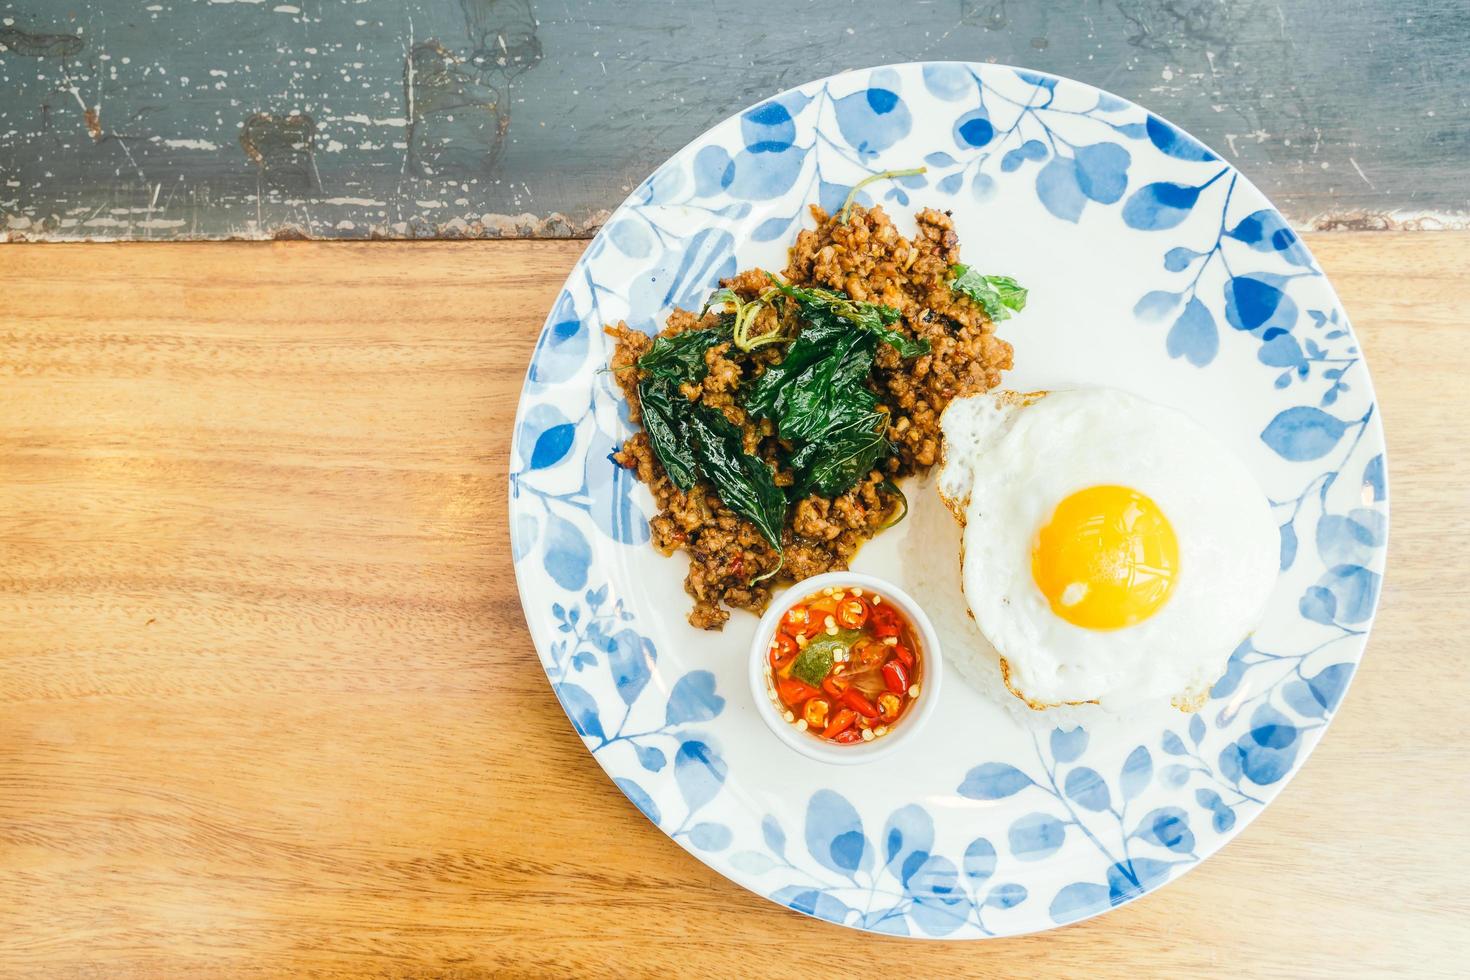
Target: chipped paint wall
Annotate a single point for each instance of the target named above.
(169, 119)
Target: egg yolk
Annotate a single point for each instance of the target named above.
(1107, 559)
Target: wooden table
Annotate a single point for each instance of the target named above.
(268, 704)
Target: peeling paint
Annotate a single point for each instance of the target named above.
(41, 45)
(282, 147)
(530, 117)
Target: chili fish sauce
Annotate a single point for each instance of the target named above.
(845, 666)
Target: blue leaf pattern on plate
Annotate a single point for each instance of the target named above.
(1085, 787)
(1159, 206)
(1193, 336)
(631, 658)
(834, 833)
(699, 773)
(1138, 770)
(693, 699)
(1303, 433)
(993, 781)
(1068, 746)
(1036, 836)
(1059, 190)
(1174, 141)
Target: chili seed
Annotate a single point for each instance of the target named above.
(856, 590)
(913, 690)
(839, 595)
(827, 591)
(868, 735)
(880, 731)
(832, 630)
(890, 641)
(790, 716)
(801, 724)
(829, 622)
(877, 599)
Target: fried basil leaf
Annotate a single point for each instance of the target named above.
(680, 358)
(666, 415)
(906, 346)
(745, 483)
(816, 303)
(765, 396)
(998, 296)
(843, 456)
(829, 391)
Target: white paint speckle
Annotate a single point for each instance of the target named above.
(185, 144)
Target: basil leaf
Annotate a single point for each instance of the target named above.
(680, 358)
(873, 317)
(815, 660)
(830, 390)
(906, 346)
(1012, 294)
(666, 414)
(996, 295)
(745, 483)
(843, 456)
(765, 397)
(720, 297)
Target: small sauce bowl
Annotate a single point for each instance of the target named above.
(908, 724)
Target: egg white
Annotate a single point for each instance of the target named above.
(1008, 461)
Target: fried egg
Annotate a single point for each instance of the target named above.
(1113, 551)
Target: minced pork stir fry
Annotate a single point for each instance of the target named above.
(776, 421)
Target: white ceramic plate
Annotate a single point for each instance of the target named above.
(1153, 266)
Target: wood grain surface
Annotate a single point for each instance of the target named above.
(268, 705)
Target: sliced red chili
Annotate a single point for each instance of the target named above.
(815, 712)
(852, 613)
(905, 656)
(895, 677)
(782, 646)
(883, 622)
(794, 692)
(834, 684)
(823, 607)
(796, 621)
(848, 737)
(840, 723)
(854, 699)
(890, 705)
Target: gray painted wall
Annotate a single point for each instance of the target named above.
(218, 118)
